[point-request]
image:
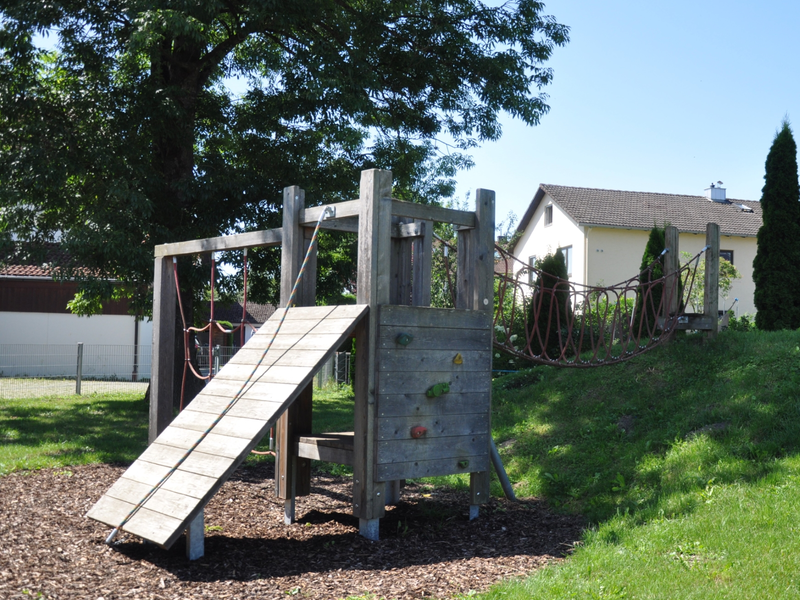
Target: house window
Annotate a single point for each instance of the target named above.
(531, 265)
(548, 215)
(727, 255)
(567, 252)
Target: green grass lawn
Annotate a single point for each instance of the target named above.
(70, 430)
(685, 462)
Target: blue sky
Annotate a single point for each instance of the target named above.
(654, 96)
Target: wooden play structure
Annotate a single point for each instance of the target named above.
(423, 375)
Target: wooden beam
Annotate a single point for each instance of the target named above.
(374, 264)
(238, 241)
(308, 217)
(163, 359)
(711, 290)
(439, 214)
(422, 256)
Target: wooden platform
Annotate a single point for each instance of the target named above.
(307, 339)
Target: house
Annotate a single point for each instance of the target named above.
(603, 233)
(34, 313)
(255, 316)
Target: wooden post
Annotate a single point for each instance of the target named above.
(422, 256)
(671, 297)
(161, 379)
(195, 537)
(374, 263)
(711, 290)
(476, 292)
(293, 474)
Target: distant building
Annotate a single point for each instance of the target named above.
(33, 309)
(603, 233)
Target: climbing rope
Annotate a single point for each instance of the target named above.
(239, 394)
(543, 319)
(187, 362)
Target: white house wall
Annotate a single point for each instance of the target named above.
(539, 239)
(615, 255)
(63, 331)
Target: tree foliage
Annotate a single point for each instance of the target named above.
(728, 273)
(125, 136)
(550, 306)
(648, 297)
(775, 272)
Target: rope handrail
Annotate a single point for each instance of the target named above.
(549, 320)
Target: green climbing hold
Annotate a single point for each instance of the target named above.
(463, 464)
(438, 389)
(404, 339)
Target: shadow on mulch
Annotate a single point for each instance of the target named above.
(428, 546)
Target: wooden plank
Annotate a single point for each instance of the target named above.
(281, 356)
(229, 425)
(164, 501)
(238, 241)
(259, 390)
(393, 451)
(308, 217)
(431, 338)
(430, 468)
(419, 405)
(426, 212)
(425, 316)
(473, 381)
(336, 448)
(348, 224)
(416, 361)
(422, 256)
(438, 427)
(202, 464)
(154, 526)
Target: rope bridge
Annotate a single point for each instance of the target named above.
(547, 320)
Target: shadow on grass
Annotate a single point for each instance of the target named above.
(653, 436)
(58, 431)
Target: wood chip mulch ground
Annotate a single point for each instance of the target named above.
(428, 547)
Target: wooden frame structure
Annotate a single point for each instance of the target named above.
(423, 375)
(708, 320)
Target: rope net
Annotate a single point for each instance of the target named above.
(548, 320)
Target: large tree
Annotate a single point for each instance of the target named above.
(775, 267)
(124, 135)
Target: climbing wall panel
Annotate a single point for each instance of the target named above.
(425, 430)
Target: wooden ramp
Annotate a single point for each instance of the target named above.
(308, 337)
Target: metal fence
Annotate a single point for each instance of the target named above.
(335, 370)
(28, 370)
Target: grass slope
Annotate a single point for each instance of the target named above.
(686, 460)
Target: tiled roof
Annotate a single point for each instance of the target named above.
(256, 313)
(27, 261)
(641, 210)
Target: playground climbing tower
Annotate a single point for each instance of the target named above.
(423, 375)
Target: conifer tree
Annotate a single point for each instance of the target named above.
(775, 267)
(648, 297)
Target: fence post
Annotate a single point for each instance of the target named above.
(79, 370)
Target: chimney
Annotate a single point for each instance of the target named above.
(716, 193)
